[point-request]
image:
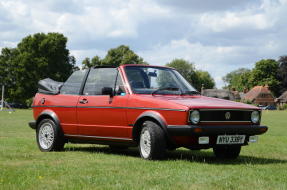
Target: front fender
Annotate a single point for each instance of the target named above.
(149, 115)
(155, 115)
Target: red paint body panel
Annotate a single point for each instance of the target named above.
(203, 102)
(65, 109)
(107, 117)
(149, 101)
(102, 118)
(192, 102)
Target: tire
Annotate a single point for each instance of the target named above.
(49, 136)
(227, 152)
(152, 142)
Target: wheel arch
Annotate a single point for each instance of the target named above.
(48, 114)
(150, 116)
(59, 139)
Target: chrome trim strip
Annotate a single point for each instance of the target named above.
(98, 137)
(53, 106)
(224, 109)
(137, 108)
(224, 121)
(110, 107)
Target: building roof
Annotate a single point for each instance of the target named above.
(283, 97)
(256, 91)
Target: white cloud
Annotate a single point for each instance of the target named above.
(262, 17)
(208, 58)
(218, 37)
(220, 23)
(97, 20)
(198, 7)
(82, 54)
(216, 59)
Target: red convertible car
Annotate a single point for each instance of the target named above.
(151, 107)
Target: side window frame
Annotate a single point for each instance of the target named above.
(81, 84)
(119, 77)
(114, 86)
(84, 82)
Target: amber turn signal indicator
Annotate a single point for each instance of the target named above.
(263, 129)
(197, 130)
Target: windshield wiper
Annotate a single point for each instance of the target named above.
(193, 92)
(166, 88)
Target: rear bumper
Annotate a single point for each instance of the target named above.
(201, 130)
(32, 124)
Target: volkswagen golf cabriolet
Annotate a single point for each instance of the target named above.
(150, 107)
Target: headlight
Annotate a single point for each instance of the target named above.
(255, 116)
(194, 117)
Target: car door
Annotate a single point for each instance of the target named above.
(64, 104)
(100, 115)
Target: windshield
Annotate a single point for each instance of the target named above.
(157, 80)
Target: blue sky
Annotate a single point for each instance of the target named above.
(217, 36)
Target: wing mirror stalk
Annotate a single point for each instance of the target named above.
(108, 91)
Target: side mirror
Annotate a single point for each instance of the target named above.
(108, 91)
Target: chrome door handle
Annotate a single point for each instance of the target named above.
(83, 101)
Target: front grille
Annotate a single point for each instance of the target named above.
(225, 115)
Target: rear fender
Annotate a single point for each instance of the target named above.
(48, 114)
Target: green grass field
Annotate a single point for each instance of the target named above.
(262, 165)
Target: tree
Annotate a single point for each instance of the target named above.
(72, 61)
(203, 79)
(185, 68)
(238, 79)
(120, 56)
(7, 66)
(282, 73)
(88, 63)
(244, 81)
(195, 77)
(36, 57)
(265, 73)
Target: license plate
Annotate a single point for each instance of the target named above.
(230, 139)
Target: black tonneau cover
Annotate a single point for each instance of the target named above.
(49, 86)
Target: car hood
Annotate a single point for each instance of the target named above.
(202, 102)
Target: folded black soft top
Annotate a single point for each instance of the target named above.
(49, 86)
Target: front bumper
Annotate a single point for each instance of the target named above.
(32, 124)
(202, 130)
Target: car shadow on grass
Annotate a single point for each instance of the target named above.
(209, 158)
(182, 155)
